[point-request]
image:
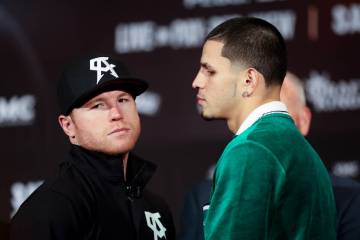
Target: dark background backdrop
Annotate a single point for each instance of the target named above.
(161, 42)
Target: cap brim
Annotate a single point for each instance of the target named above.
(133, 86)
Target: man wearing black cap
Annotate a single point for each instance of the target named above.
(99, 190)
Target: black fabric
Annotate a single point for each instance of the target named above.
(89, 199)
(191, 225)
(347, 197)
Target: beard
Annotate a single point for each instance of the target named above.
(200, 110)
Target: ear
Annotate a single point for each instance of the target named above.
(67, 124)
(251, 80)
(305, 121)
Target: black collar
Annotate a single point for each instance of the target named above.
(110, 167)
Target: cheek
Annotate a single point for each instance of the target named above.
(136, 124)
(132, 118)
(220, 88)
(90, 126)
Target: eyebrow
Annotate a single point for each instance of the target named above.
(206, 66)
(92, 101)
(97, 98)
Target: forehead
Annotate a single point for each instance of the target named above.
(211, 54)
(109, 95)
(212, 49)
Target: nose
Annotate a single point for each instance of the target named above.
(116, 113)
(198, 82)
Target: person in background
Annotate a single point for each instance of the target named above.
(269, 183)
(99, 191)
(346, 191)
(192, 217)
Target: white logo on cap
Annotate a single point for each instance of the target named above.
(96, 65)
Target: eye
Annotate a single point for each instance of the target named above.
(123, 99)
(97, 106)
(210, 72)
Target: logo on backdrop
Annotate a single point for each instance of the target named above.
(17, 110)
(346, 19)
(96, 64)
(220, 3)
(20, 192)
(346, 168)
(153, 222)
(327, 95)
(187, 33)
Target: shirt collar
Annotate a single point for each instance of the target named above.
(138, 171)
(267, 108)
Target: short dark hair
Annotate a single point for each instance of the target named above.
(254, 43)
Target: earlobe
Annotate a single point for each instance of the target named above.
(66, 124)
(250, 82)
(305, 121)
(245, 94)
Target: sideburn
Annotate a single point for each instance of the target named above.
(235, 89)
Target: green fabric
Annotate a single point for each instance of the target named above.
(269, 183)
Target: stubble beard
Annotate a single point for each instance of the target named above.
(109, 148)
(209, 117)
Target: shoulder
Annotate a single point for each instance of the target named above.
(249, 153)
(62, 196)
(46, 214)
(44, 208)
(202, 191)
(347, 197)
(249, 166)
(50, 198)
(347, 192)
(275, 129)
(345, 183)
(199, 195)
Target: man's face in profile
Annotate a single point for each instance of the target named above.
(216, 83)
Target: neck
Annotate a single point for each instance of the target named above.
(249, 104)
(125, 161)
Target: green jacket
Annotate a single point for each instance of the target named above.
(270, 184)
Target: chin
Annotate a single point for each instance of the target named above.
(206, 116)
(119, 149)
(209, 117)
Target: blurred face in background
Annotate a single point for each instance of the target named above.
(293, 96)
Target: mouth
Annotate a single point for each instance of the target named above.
(119, 131)
(199, 99)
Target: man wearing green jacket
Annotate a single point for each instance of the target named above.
(269, 183)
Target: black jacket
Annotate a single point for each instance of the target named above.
(347, 196)
(89, 199)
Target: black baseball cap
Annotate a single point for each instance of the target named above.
(87, 77)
